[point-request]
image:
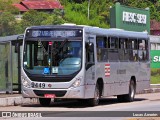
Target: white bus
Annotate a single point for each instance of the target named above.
(83, 62)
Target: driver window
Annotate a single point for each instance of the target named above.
(89, 53)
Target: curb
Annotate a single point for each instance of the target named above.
(151, 90)
(154, 85)
(154, 88)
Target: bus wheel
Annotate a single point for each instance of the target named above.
(45, 101)
(130, 96)
(95, 101)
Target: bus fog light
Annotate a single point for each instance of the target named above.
(77, 82)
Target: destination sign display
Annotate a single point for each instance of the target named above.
(54, 33)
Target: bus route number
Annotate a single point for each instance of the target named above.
(38, 85)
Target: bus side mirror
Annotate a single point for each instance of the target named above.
(90, 46)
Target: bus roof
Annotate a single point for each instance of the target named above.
(117, 32)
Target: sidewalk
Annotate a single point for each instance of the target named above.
(17, 99)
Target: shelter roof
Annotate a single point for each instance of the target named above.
(41, 4)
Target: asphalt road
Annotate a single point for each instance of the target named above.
(145, 107)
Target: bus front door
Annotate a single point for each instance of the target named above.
(89, 71)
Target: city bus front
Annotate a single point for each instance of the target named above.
(52, 63)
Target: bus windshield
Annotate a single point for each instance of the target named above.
(58, 57)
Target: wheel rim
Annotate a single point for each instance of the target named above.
(96, 96)
(132, 90)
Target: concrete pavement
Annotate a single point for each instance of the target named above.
(17, 99)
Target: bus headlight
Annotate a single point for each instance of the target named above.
(77, 82)
(25, 83)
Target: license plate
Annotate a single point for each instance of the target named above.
(49, 95)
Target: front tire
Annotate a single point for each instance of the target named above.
(95, 101)
(45, 101)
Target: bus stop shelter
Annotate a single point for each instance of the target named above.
(10, 56)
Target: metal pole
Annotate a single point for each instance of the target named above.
(19, 62)
(11, 68)
(19, 69)
(88, 8)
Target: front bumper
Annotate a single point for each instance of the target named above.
(77, 92)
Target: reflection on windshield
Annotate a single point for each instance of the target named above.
(52, 57)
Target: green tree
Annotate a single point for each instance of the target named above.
(54, 19)
(33, 17)
(7, 23)
(78, 13)
(6, 6)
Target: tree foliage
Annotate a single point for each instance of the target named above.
(100, 8)
(33, 17)
(8, 7)
(7, 23)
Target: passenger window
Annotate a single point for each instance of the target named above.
(133, 52)
(122, 43)
(113, 42)
(102, 43)
(142, 52)
(123, 53)
(113, 49)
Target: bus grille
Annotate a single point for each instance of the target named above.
(57, 93)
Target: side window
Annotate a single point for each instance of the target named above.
(90, 53)
(113, 49)
(122, 43)
(142, 50)
(102, 43)
(133, 52)
(113, 42)
(123, 52)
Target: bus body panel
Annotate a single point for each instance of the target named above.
(120, 74)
